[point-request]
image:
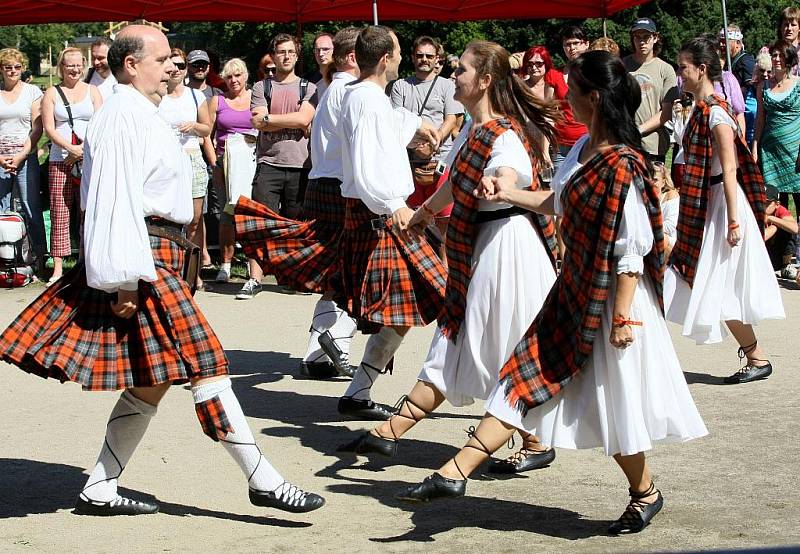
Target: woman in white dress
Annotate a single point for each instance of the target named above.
(500, 257)
(719, 268)
(597, 367)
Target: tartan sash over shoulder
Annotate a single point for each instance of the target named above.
(462, 229)
(698, 150)
(559, 341)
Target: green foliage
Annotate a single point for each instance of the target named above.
(678, 20)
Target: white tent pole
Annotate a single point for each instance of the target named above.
(725, 27)
(375, 12)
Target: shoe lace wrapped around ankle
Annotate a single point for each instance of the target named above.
(290, 494)
(631, 518)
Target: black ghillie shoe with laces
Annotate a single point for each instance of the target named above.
(288, 498)
(434, 486)
(369, 442)
(638, 513)
(340, 358)
(749, 372)
(120, 506)
(523, 459)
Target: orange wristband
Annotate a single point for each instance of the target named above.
(620, 321)
(732, 226)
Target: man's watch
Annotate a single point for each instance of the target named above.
(266, 118)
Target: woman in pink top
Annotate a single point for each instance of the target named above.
(229, 114)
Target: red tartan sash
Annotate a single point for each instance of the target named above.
(465, 176)
(698, 150)
(559, 341)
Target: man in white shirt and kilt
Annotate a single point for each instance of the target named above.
(124, 317)
(391, 281)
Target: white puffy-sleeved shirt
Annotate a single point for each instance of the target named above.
(635, 236)
(133, 167)
(374, 138)
(507, 151)
(326, 146)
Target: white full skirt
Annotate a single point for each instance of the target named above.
(624, 399)
(512, 275)
(731, 283)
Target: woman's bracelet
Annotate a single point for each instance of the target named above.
(620, 321)
(733, 225)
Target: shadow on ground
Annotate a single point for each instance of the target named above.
(32, 487)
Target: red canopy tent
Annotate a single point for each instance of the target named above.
(17, 12)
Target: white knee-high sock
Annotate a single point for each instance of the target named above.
(126, 427)
(240, 443)
(325, 314)
(380, 349)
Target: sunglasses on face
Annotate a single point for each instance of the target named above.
(421, 56)
(17, 67)
(536, 64)
(180, 66)
(198, 65)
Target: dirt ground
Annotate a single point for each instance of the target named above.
(735, 488)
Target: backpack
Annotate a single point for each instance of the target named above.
(268, 91)
(14, 271)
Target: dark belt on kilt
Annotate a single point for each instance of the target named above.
(166, 229)
(716, 179)
(494, 215)
(376, 224)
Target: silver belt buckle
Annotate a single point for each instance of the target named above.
(378, 223)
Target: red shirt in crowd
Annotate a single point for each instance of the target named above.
(568, 131)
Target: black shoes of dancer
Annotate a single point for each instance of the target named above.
(524, 459)
(340, 359)
(120, 506)
(367, 443)
(288, 498)
(434, 486)
(322, 370)
(364, 410)
(749, 372)
(638, 513)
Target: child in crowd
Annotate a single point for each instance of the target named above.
(780, 229)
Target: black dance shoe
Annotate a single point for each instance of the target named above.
(637, 514)
(120, 506)
(523, 460)
(288, 498)
(434, 486)
(340, 359)
(363, 410)
(749, 373)
(318, 370)
(367, 443)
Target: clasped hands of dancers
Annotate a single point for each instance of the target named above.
(571, 355)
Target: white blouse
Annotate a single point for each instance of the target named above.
(635, 236)
(669, 211)
(507, 151)
(374, 137)
(133, 167)
(182, 109)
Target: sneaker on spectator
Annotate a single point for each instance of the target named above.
(223, 276)
(789, 272)
(249, 290)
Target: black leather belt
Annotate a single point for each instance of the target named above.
(154, 221)
(378, 223)
(494, 215)
(716, 179)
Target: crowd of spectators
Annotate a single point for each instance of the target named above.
(274, 110)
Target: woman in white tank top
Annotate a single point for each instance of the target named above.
(66, 157)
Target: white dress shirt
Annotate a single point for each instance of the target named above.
(374, 138)
(133, 167)
(326, 146)
(105, 86)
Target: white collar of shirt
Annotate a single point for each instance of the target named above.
(138, 97)
(343, 75)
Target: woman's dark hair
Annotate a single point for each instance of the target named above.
(787, 52)
(619, 92)
(703, 51)
(509, 95)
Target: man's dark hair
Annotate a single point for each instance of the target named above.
(280, 38)
(102, 41)
(121, 49)
(372, 44)
(343, 43)
(425, 39)
(573, 32)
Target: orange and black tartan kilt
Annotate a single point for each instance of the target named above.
(70, 333)
(301, 254)
(387, 281)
